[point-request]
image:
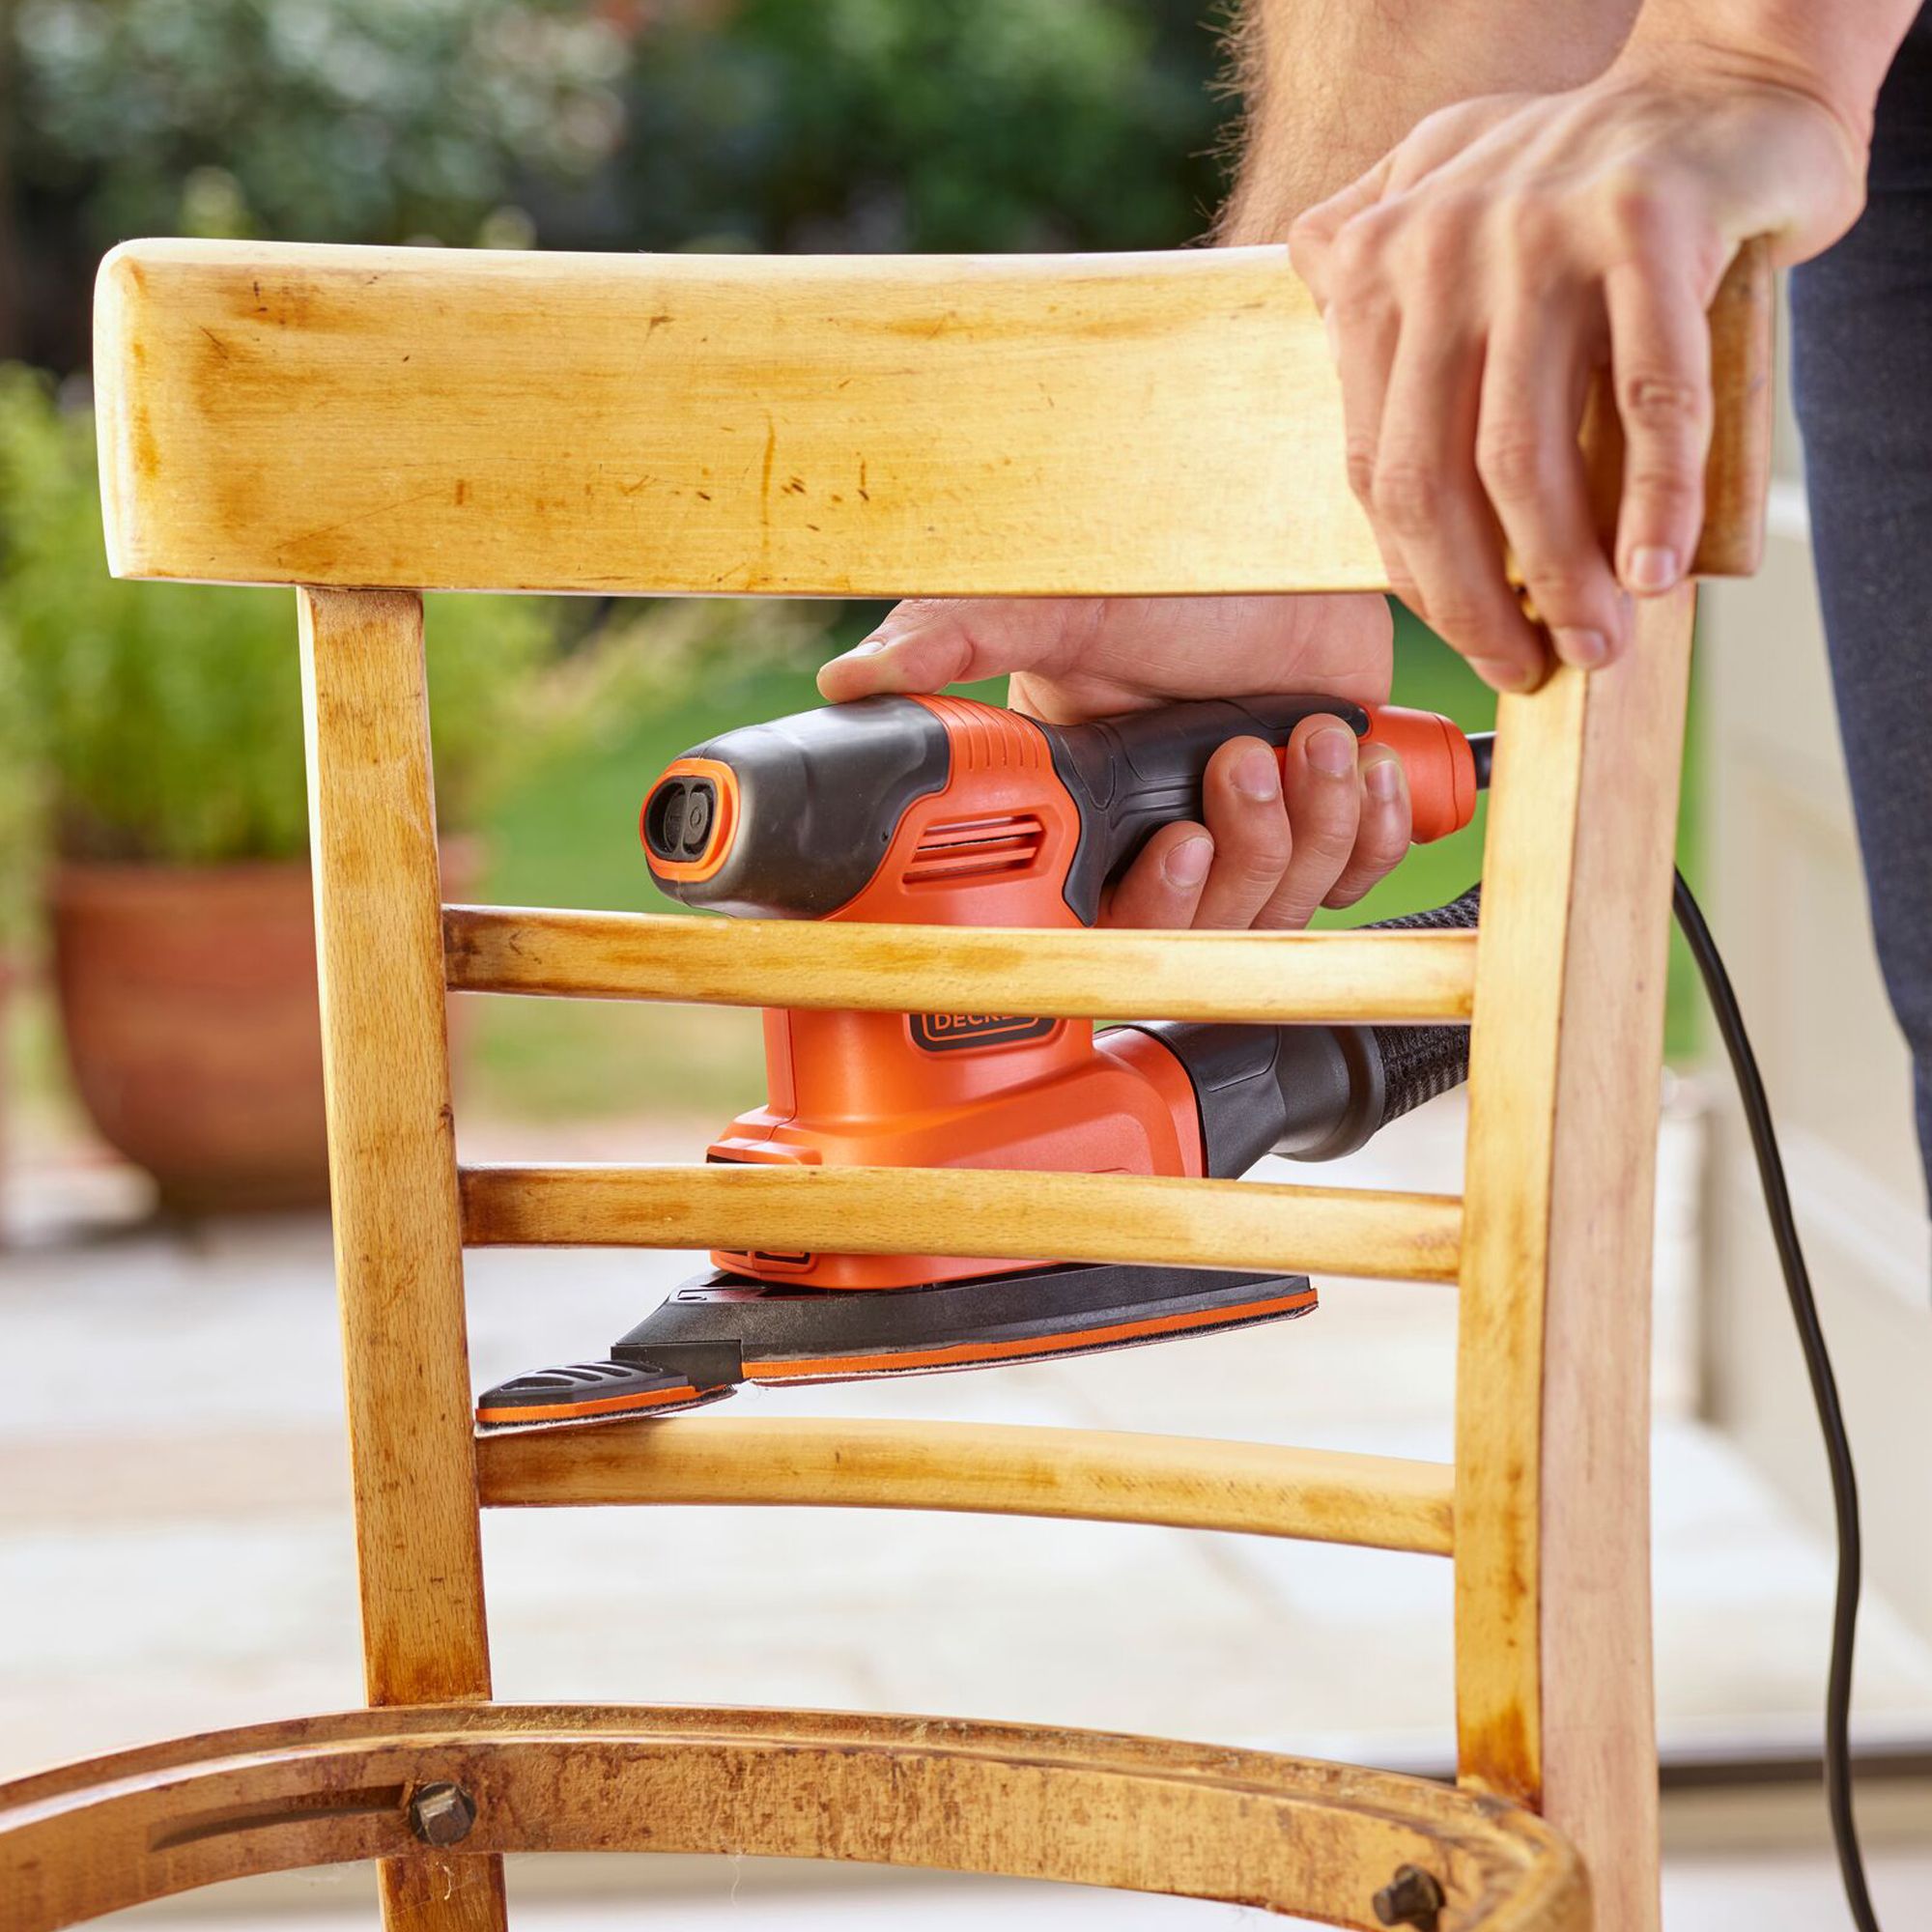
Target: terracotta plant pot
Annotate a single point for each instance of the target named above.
(187, 996)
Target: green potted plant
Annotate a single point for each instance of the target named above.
(177, 901)
(19, 849)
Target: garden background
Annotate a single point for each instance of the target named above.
(159, 725)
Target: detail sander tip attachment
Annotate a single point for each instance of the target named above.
(723, 1330)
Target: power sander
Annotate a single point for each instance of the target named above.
(938, 811)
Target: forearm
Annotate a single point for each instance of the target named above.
(1331, 85)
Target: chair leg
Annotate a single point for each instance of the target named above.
(1599, 1700)
(1555, 1697)
(443, 1893)
(392, 1182)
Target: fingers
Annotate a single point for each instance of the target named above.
(1534, 380)
(1364, 333)
(1162, 887)
(1661, 365)
(927, 642)
(1439, 533)
(1411, 374)
(1384, 831)
(1270, 853)
(1472, 287)
(1248, 817)
(1362, 320)
(1337, 826)
(1311, 239)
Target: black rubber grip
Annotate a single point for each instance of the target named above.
(1310, 1092)
(1420, 1062)
(1316, 1092)
(1131, 774)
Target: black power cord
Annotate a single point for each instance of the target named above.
(1824, 1392)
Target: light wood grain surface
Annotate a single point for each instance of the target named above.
(979, 1211)
(1287, 1834)
(392, 1179)
(1554, 1693)
(1514, 1047)
(458, 418)
(1379, 1502)
(1103, 974)
(1598, 1702)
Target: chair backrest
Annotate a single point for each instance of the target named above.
(364, 424)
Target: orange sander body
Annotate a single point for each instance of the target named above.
(938, 811)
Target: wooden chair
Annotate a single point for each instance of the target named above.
(366, 423)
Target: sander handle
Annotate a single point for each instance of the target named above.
(1128, 776)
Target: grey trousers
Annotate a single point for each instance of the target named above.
(1862, 345)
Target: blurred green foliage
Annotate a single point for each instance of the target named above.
(600, 123)
(21, 799)
(942, 124)
(168, 716)
(350, 120)
(358, 119)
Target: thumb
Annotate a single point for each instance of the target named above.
(1311, 241)
(927, 643)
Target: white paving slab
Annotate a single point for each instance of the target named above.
(1765, 1891)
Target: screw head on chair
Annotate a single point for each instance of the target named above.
(1411, 1897)
(442, 1814)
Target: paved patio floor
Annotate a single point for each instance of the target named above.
(1776, 1892)
(175, 1546)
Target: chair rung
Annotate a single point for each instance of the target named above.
(1003, 1215)
(1105, 975)
(1320, 1496)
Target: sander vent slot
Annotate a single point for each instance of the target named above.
(974, 848)
(763, 1259)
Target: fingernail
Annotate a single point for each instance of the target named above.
(1652, 567)
(871, 648)
(1258, 775)
(1331, 751)
(1586, 649)
(1503, 673)
(1383, 777)
(1188, 862)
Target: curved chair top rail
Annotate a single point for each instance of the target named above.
(867, 426)
(1289, 1834)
